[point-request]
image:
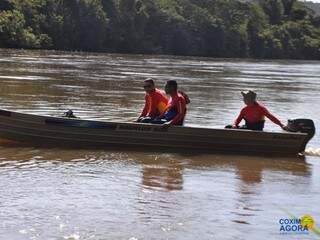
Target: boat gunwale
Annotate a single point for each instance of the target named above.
(46, 117)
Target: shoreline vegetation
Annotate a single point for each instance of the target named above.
(262, 29)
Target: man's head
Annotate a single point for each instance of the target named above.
(148, 85)
(171, 87)
(249, 97)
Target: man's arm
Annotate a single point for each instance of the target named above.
(180, 113)
(145, 108)
(186, 97)
(273, 118)
(239, 118)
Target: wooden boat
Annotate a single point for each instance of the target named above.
(77, 133)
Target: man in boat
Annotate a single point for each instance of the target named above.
(254, 114)
(155, 102)
(176, 110)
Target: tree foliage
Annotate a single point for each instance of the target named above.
(217, 28)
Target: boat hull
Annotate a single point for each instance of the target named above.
(75, 133)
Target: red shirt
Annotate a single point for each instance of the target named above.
(178, 103)
(255, 113)
(155, 104)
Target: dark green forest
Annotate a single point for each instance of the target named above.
(215, 28)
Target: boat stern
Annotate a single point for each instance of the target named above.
(303, 126)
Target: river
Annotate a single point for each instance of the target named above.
(86, 194)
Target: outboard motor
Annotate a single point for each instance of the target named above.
(304, 126)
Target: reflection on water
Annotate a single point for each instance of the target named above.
(167, 177)
(86, 194)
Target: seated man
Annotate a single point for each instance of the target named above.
(155, 102)
(176, 109)
(254, 114)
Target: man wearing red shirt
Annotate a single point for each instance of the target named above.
(155, 102)
(176, 109)
(254, 114)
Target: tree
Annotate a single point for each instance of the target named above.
(274, 9)
(6, 5)
(217, 28)
(13, 32)
(256, 25)
(92, 25)
(288, 5)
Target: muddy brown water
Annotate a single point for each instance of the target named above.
(86, 194)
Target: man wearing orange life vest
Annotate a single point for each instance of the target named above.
(156, 102)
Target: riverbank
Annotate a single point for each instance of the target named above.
(224, 29)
